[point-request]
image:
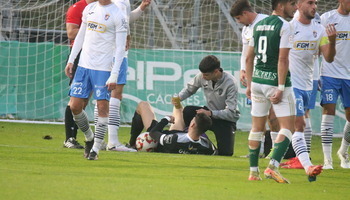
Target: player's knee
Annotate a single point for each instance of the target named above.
(142, 105)
(287, 133)
(256, 136)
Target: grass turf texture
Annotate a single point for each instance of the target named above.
(34, 168)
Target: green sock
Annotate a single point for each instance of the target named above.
(254, 157)
(279, 149)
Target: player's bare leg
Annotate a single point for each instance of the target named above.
(179, 123)
(143, 117)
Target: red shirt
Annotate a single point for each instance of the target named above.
(75, 13)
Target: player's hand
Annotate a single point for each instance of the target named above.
(243, 78)
(111, 83)
(172, 119)
(331, 32)
(69, 70)
(248, 93)
(276, 97)
(145, 4)
(128, 41)
(207, 112)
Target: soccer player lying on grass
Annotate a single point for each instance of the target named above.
(176, 139)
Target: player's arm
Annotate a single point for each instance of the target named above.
(286, 43)
(282, 71)
(73, 21)
(192, 87)
(242, 72)
(327, 44)
(120, 44)
(78, 44)
(156, 131)
(72, 30)
(135, 14)
(249, 64)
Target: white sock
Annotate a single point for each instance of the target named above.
(308, 134)
(273, 137)
(101, 129)
(82, 122)
(95, 115)
(344, 147)
(254, 169)
(113, 122)
(326, 136)
(262, 145)
(299, 146)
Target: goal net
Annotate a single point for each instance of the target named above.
(168, 42)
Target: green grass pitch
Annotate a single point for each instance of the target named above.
(34, 168)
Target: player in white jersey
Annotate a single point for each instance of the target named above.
(102, 41)
(243, 13)
(309, 38)
(294, 163)
(335, 82)
(116, 95)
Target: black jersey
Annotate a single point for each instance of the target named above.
(180, 142)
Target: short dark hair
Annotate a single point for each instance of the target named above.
(274, 3)
(209, 64)
(239, 6)
(203, 123)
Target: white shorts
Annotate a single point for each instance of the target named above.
(261, 103)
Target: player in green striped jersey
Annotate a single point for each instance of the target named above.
(269, 84)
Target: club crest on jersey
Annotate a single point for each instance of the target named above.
(315, 34)
(125, 23)
(107, 17)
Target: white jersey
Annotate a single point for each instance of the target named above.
(101, 37)
(306, 43)
(247, 35)
(340, 67)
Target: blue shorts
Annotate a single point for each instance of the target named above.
(302, 99)
(312, 101)
(87, 80)
(123, 72)
(331, 88)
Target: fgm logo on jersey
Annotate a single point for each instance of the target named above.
(107, 17)
(94, 26)
(315, 34)
(343, 35)
(304, 45)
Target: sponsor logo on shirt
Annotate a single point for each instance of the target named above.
(94, 26)
(296, 32)
(305, 45)
(315, 34)
(343, 35)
